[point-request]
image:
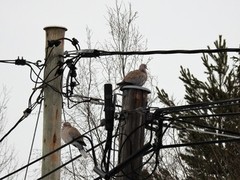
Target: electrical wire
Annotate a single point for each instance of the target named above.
(128, 139)
(48, 154)
(155, 166)
(71, 82)
(210, 115)
(59, 167)
(23, 62)
(204, 132)
(8, 61)
(93, 153)
(201, 143)
(26, 113)
(121, 165)
(89, 53)
(231, 139)
(73, 159)
(220, 130)
(19, 121)
(33, 139)
(130, 134)
(141, 166)
(200, 106)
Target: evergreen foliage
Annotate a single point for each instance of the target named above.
(215, 161)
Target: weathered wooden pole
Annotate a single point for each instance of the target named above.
(132, 126)
(52, 101)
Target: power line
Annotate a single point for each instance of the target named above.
(198, 106)
(33, 139)
(200, 143)
(25, 114)
(120, 166)
(48, 154)
(71, 82)
(204, 132)
(59, 167)
(88, 53)
(73, 159)
(220, 130)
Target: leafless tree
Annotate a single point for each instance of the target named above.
(94, 73)
(8, 160)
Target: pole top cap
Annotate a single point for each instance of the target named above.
(135, 87)
(56, 27)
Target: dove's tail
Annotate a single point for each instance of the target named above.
(83, 152)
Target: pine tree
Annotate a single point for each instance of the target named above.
(220, 160)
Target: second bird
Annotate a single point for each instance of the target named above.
(69, 133)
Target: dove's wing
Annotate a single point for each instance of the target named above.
(135, 77)
(74, 133)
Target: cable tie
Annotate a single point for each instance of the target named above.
(55, 43)
(20, 61)
(89, 53)
(73, 84)
(27, 112)
(39, 87)
(102, 122)
(69, 62)
(73, 73)
(59, 71)
(66, 54)
(95, 100)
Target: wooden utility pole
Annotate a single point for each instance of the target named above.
(52, 101)
(132, 130)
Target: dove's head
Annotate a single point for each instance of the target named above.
(143, 67)
(66, 124)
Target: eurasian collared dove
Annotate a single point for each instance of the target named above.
(136, 77)
(69, 133)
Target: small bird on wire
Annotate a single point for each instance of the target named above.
(69, 133)
(136, 77)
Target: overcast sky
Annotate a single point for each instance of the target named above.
(166, 24)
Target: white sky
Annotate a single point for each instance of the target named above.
(166, 24)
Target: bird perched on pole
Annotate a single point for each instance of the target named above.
(136, 77)
(69, 133)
